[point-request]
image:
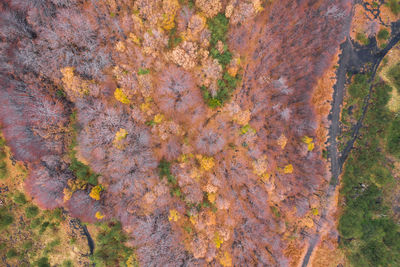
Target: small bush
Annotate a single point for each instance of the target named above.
(110, 246)
(3, 172)
(27, 245)
(362, 38)
(82, 171)
(42, 262)
(219, 28)
(12, 253)
(393, 138)
(19, 198)
(394, 74)
(383, 34)
(67, 263)
(5, 219)
(142, 71)
(31, 211)
(394, 6)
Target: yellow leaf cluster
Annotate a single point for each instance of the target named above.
(95, 192)
(226, 260)
(206, 163)
(121, 134)
(134, 38)
(173, 215)
(170, 8)
(257, 6)
(158, 118)
(121, 96)
(288, 168)
(315, 211)
(99, 215)
(211, 197)
(132, 261)
(309, 142)
(217, 240)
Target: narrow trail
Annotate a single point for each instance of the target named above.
(351, 59)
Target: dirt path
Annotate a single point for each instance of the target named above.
(351, 59)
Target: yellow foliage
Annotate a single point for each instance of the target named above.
(120, 96)
(282, 141)
(309, 142)
(145, 107)
(99, 215)
(72, 83)
(288, 168)
(121, 134)
(265, 177)
(257, 6)
(67, 194)
(173, 215)
(134, 38)
(168, 21)
(158, 118)
(95, 192)
(73, 185)
(132, 261)
(315, 211)
(170, 8)
(310, 147)
(226, 260)
(211, 197)
(206, 163)
(307, 139)
(217, 240)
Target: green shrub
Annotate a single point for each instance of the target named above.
(27, 245)
(5, 218)
(143, 71)
(2, 154)
(3, 172)
(383, 34)
(174, 38)
(82, 171)
(394, 6)
(42, 262)
(219, 28)
(362, 38)
(31, 211)
(394, 75)
(36, 222)
(223, 58)
(393, 138)
(19, 198)
(110, 249)
(225, 88)
(11, 253)
(67, 263)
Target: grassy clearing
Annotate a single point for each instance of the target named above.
(369, 235)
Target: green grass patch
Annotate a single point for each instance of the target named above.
(369, 236)
(110, 248)
(383, 34)
(362, 38)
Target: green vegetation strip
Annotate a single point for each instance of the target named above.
(369, 235)
(219, 29)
